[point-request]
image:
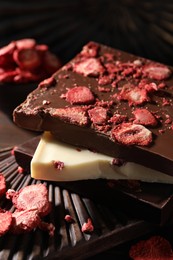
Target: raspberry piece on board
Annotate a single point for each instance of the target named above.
(2, 185)
(24, 220)
(5, 221)
(80, 95)
(156, 71)
(155, 248)
(32, 196)
(144, 117)
(131, 134)
(89, 67)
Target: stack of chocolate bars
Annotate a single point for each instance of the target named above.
(105, 121)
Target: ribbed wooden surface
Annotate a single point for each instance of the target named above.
(111, 226)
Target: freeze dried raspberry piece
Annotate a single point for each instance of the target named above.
(5, 221)
(106, 79)
(74, 115)
(144, 117)
(46, 83)
(98, 115)
(6, 55)
(27, 43)
(80, 95)
(156, 71)
(28, 59)
(2, 185)
(90, 50)
(117, 118)
(155, 248)
(87, 227)
(131, 134)
(133, 94)
(89, 67)
(32, 196)
(24, 220)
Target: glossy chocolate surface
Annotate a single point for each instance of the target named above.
(149, 201)
(39, 111)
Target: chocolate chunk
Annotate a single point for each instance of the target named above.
(137, 83)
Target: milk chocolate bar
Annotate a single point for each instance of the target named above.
(149, 201)
(109, 101)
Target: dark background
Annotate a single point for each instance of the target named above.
(142, 27)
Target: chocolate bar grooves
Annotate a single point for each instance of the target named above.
(111, 227)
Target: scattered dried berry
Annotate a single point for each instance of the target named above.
(26, 43)
(90, 50)
(20, 169)
(68, 218)
(27, 59)
(46, 83)
(88, 227)
(58, 165)
(89, 67)
(131, 134)
(74, 115)
(144, 117)
(24, 61)
(24, 220)
(2, 185)
(80, 95)
(155, 248)
(133, 94)
(5, 221)
(156, 71)
(98, 115)
(31, 197)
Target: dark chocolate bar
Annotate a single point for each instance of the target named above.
(109, 101)
(149, 201)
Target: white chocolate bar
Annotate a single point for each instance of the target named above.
(56, 161)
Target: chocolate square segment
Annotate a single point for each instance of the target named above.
(108, 101)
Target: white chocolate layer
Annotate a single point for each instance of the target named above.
(83, 165)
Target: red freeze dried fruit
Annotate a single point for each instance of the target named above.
(98, 115)
(26, 43)
(2, 185)
(79, 95)
(89, 67)
(47, 82)
(74, 115)
(24, 61)
(25, 220)
(144, 117)
(90, 50)
(155, 248)
(28, 59)
(87, 227)
(156, 71)
(131, 134)
(133, 94)
(58, 165)
(68, 218)
(31, 197)
(5, 221)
